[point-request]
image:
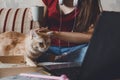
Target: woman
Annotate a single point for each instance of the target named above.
(72, 23)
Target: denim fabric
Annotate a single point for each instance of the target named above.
(72, 54)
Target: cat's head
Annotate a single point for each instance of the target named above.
(40, 41)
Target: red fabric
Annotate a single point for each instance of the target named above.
(54, 19)
(6, 20)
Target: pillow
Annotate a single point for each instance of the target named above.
(15, 19)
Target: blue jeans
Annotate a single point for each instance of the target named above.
(71, 54)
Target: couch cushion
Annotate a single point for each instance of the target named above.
(15, 19)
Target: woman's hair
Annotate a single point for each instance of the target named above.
(89, 11)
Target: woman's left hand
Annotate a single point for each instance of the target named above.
(42, 29)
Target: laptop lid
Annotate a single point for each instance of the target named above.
(102, 60)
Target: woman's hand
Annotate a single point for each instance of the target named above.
(42, 29)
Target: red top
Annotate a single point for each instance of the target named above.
(54, 21)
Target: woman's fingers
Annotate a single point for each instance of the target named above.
(41, 29)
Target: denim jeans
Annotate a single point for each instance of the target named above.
(71, 54)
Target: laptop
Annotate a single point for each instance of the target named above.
(102, 60)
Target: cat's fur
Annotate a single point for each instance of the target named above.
(30, 45)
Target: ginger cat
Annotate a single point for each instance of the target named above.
(30, 45)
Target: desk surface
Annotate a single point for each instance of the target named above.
(46, 68)
(4, 72)
(13, 65)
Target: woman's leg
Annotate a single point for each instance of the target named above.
(70, 54)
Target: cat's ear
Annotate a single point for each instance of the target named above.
(33, 34)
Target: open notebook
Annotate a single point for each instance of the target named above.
(70, 69)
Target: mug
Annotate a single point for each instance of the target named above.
(37, 13)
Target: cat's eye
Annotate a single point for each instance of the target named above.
(41, 44)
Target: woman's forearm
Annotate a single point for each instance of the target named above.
(74, 37)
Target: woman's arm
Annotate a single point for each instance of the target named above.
(75, 37)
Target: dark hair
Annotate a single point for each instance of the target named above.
(89, 11)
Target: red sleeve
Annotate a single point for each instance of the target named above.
(45, 2)
(48, 2)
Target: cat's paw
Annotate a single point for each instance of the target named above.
(31, 64)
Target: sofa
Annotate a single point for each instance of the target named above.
(15, 15)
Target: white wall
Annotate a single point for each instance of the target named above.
(18, 3)
(111, 5)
